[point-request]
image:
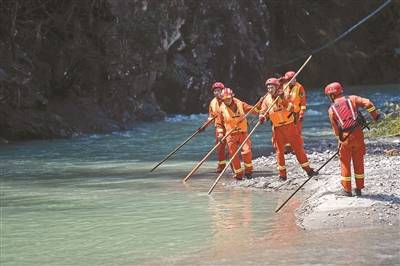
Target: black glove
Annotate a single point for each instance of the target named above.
(201, 129)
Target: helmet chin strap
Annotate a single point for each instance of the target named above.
(331, 98)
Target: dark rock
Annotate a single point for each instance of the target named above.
(137, 60)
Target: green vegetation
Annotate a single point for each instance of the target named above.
(389, 126)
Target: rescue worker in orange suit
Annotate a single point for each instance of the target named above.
(283, 127)
(213, 110)
(231, 116)
(297, 97)
(345, 120)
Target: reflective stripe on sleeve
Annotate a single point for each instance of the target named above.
(303, 107)
(221, 162)
(373, 108)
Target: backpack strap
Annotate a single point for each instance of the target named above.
(337, 115)
(351, 108)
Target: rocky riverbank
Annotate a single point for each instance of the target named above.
(323, 207)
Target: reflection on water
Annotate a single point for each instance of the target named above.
(120, 219)
(282, 242)
(92, 201)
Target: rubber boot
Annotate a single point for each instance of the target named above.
(238, 176)
(248, 176)
(357, 191)
(345, 193)
(220, 168)
(311, 172)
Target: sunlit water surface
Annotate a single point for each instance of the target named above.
(93, 201)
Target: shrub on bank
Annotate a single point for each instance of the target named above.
(389, 125)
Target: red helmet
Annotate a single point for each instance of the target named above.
(289, 75)
(334, 89)
(227, 93)
(218, 85)
(273, 81)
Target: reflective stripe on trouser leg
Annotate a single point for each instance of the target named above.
(232, 141)
(346, 183)
(221, 165)
(282, 170)
(246, 154)
(238, 172)
(295, 140)
(279, 140)
(359, 180)
(221, 148)
(358, 165)
(345, 158)
(248, 168)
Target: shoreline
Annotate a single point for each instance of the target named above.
(322, 207)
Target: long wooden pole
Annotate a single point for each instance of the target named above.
(233, 156)
(256, 125)
(205, 157)
(183, 143)
(219, 143)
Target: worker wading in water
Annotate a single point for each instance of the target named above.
(284, 129)
(347, 123)
(232, 116)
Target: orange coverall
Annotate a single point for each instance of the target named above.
(297, 95)
(353, 148)
(231, 117)
(213, 111)
(284, 131)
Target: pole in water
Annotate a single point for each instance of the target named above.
(205, 158)
(226, 135)
(183, 143)
(233, 156)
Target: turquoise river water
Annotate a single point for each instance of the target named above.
(92, 201)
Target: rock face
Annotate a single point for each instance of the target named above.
(75, 67)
